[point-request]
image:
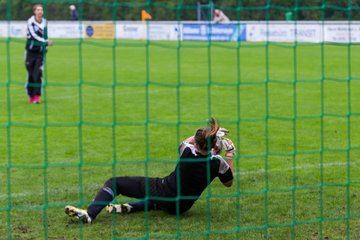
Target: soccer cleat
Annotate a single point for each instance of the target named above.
(118, 208)
(78, 213)
(36, 99)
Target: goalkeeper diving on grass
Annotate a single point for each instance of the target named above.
(199, 164)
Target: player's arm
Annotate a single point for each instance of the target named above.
(49, 42)
(32, 32)
(229, 160)
(225, 173)
(230, 151)
(228, 183)
(218, 144)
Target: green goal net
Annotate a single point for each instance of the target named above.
(120, 93)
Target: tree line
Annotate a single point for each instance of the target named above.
(179, 10)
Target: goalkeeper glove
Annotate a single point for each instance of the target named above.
(229, 148)
(222, 132)
(219, 136)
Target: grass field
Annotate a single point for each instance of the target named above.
(122, 110)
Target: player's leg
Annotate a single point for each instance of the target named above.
(37, 76)
(29, 86)
(131, 207)
(127, 186)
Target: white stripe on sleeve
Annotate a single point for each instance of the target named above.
(31, 30)
(224, 166)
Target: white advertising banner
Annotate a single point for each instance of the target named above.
(342, 33)
(164, 31)
(17, 29)
(336, 31)
(3, 29)
(14, 28)
(130, 31)
(274, 31)
(284, 32)
(65, 29)
(153, 31)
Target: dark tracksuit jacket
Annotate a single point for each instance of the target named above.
(35, 50)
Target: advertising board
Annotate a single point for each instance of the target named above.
(214, 32)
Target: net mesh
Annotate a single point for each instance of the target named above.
(121, 107)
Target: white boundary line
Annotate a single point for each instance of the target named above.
(302, 167)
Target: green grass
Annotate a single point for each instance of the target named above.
(122, 110)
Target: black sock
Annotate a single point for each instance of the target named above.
(103, 198)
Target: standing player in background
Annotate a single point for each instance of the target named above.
(74, 15)
(199, 164)
(35, 51)
(220, 17)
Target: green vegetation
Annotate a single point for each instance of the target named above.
(166, 10)
(122, 108)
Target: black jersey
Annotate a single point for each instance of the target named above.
(194, 173)
(36, 35)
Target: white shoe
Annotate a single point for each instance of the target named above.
(78, 213)
(118, 208)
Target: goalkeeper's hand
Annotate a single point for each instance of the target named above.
(219, 136)
(228, 145)
(229, 148)
(222, 132)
